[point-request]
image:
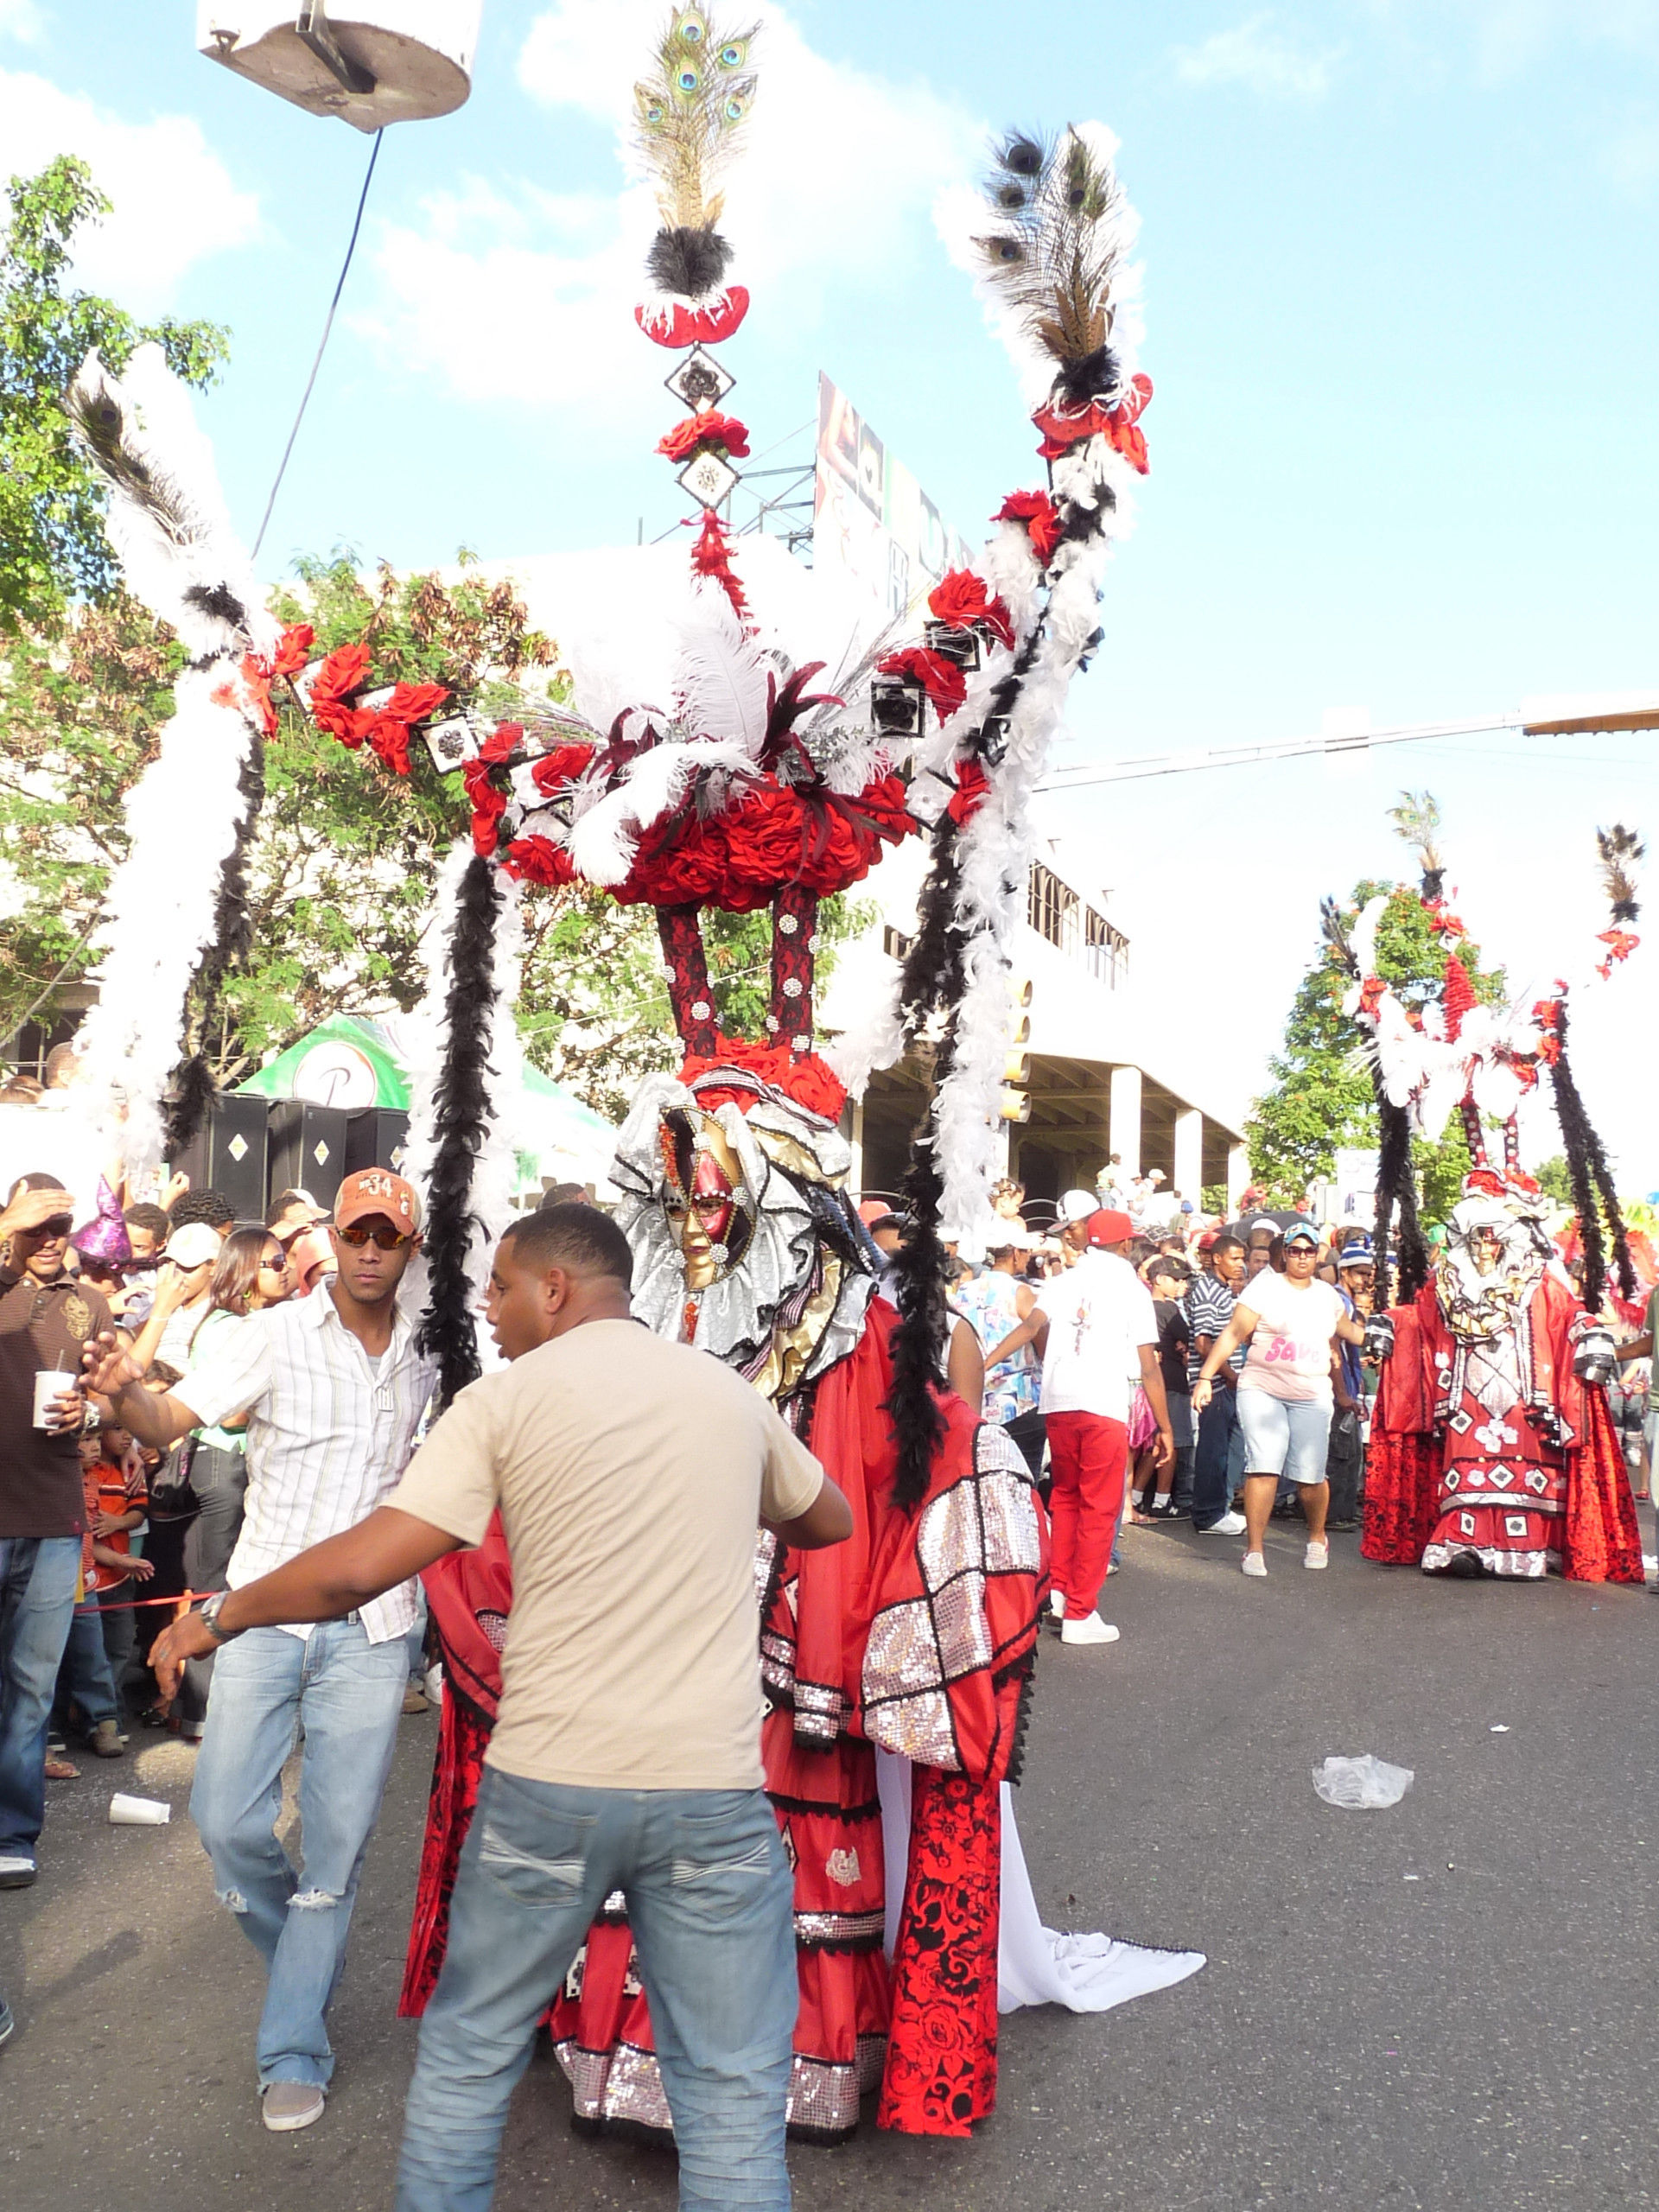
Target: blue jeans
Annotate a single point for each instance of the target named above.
(1212, 1480)
(38, 1576)
(86, 1678)
(709, 1902)
(347, 1694)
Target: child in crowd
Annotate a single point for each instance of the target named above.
(86, 1678)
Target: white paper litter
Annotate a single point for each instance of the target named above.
(1363, 1784)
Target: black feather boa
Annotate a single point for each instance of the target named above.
(1396, 1194)
(192, 1092)
(461, 1120)
(1592, 1179)
(916, 1285)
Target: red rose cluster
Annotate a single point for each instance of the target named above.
(773, 837)
(803, 1075)
(342, 677)
(723, 432)
(1041, 518)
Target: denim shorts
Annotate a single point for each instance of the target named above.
(1284, 1436)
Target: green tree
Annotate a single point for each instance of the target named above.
(51, 505)
(1320, 1096)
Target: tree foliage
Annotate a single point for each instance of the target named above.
(51, 506)
(1320, 1097)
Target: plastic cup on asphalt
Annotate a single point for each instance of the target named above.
(51, 1383)
(138, 1812)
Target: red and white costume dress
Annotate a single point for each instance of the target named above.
(1486, 1448)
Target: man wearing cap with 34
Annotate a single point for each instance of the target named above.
(333, 1389)
(1096, 1328)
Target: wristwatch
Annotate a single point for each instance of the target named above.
(208, 1615)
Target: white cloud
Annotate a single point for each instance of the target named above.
(1258, 56)
(174, 201)
(838, 178)
(21, 19)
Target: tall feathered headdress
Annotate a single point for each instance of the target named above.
(688, 118)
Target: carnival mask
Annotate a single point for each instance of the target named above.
(710, 1205)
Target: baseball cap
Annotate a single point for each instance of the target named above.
(1301, 1232)
(377, 1190)
(194, 1245)
(1077, 1205)
(1108, 1226)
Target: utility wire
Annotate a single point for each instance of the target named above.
(305, 399)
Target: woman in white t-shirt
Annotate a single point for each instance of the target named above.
(1289, 1322)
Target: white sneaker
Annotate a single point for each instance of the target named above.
(1090, 1630)
(1254, 1564)
(1316, 1554)
(1056, 1603)
(286, 2106)
(1231, 1524)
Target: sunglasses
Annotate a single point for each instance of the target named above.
(59, 1225)
(277, 1267)
(385, 1240)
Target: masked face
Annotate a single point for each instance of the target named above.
(1485, 1249)
(711, 1211)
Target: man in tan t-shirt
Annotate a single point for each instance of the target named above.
(631, 1475)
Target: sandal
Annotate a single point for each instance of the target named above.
(60, 1770)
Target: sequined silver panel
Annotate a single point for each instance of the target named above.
(919, 1725)
(901, 1655)
(964, 1635)
(823, 2096)
(621, 2084)
(949, 1538)
(872, 2057)
(766, 1551)
(1007, 1507)
(814, 1930)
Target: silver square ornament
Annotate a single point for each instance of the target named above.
(700, 381)
(707, 478)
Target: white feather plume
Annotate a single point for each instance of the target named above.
(721, 676)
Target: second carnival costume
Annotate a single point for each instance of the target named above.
(1492, 1448)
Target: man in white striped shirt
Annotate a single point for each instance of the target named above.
(333, 1389)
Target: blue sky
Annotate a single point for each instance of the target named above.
(1401, 316)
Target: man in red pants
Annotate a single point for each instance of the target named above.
(1097, 1332)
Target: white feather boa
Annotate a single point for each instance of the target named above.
(183, 813)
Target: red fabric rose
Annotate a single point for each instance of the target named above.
(960, 600)
(292, 648)
(256, 676)
(1037, 511)
(499, 745)
(539, 860)
(488, 806)
(562, 765)
(711, 428)
(802, 1076)
(679, 865)
(942, 680)
(388, 737)
(414, 702)
(343, 673)
(973, 788)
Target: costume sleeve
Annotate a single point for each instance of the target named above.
(453, 1480)
(232, 1378)
(791, 1478)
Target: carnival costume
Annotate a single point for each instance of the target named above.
(1492, 1449)
(914, 1642)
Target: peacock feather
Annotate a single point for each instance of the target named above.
(1054, 250)
(690, 113)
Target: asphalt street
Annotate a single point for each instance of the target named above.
(1447, 2004)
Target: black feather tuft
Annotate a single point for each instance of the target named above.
(191, 1095)
(687, 262)
(447, 1332)
(1592, 1179)
(1433, 884)
(1396, 1195)
(1098, 375)
(218, 599)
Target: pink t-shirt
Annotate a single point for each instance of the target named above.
(1290, 1353)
